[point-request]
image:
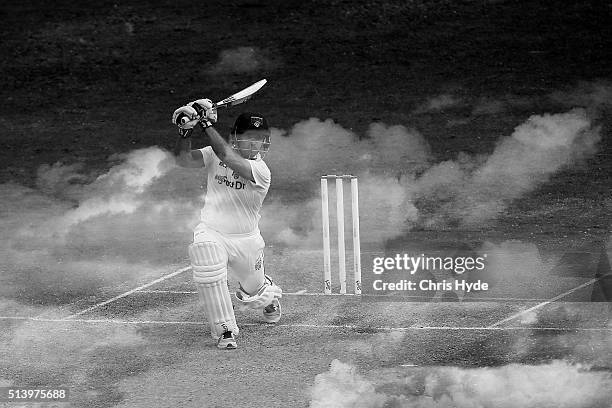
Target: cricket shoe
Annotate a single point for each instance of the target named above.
(227, 341)
(272, 312)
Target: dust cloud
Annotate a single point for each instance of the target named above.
(243, 60)
(77, 232)
(557, 383)
(473, 190)
(400, 182)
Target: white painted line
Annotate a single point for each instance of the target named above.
(298, 293)
(540, 305)
(170, 292)
(34, 318)
(194, 292)
(392, 298)
(106, 302)
(303, 325)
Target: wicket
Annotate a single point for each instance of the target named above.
(340, 222)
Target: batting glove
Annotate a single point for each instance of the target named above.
(206, 110)
(185, 118)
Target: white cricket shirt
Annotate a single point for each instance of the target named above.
(232, 202)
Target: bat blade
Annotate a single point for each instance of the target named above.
(241, 96)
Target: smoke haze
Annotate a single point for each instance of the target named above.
(394, 166)
(243, 60)
(76, 231)
(557, 383)
(472, 190)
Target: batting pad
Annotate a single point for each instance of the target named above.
(209, 263)
(217, 303)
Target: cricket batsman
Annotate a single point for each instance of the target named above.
(228, 239)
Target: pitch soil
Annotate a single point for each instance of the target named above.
(80, 83)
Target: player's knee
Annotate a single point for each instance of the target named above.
(208, 261)
(264, 296)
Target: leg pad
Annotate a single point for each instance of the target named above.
(209, 264)
(208, 261)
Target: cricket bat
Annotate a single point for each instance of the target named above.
(240, 96)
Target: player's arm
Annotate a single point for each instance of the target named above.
(207, 115)
(228, 155)
(186, 117)
(185, 156)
